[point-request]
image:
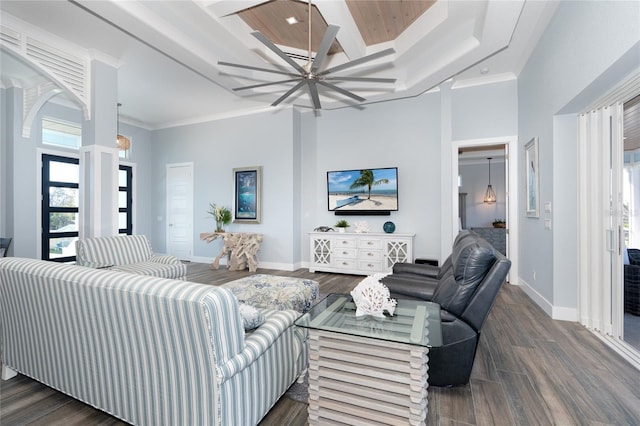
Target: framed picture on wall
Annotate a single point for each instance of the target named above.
(247, 183)
(533, 178)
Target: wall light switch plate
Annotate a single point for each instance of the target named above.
(547, 224)
(547, 207)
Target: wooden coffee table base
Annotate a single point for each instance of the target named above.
(360, 380)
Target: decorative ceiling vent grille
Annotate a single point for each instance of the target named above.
(10, 37)
(70, 71)
(68, 68)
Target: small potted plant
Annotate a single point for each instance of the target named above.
(499, 223)
(221, 214)
(342, 225)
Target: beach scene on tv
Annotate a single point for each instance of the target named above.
(371, 189)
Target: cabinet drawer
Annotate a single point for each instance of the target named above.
(367, 255)
(345, 242)
(370, 266)
(370, 243)
(345, 263)
(347, 253)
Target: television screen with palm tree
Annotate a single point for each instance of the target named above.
(366, 191)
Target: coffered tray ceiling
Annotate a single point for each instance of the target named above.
(167, 52)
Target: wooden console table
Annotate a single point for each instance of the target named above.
(241, 249)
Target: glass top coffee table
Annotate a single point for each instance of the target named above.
(414, 322)
(369, 369)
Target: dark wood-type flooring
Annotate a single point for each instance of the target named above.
(529, 370)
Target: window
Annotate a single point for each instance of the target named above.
(125, 200)
(60, 213)
(123, 154)
(60, 133)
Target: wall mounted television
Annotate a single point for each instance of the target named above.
(363, 192)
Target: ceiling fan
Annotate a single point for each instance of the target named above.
(311, 74)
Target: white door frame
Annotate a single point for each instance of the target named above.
(511, 186)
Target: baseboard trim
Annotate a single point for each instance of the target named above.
(565, 314)
(560, 313)
(261, 264)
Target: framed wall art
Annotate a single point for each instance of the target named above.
(533, 178)
(247, 183)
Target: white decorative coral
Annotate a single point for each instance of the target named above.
(372, 297)
(361, 226)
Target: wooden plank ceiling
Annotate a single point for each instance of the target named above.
(378, 21)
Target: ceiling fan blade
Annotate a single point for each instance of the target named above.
(325, 45)
(249, 67)
(358, 61)
(363, 79)
(278, 52)
(271, 83)
(313, 89)
(286, 95)
(342, 91)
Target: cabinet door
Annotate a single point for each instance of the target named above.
(322, 251)
(397, 251)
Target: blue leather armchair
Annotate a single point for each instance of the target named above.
(465, 287)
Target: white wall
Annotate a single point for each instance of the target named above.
(584, 44)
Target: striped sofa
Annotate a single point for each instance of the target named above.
(127, 253)
(150, 351)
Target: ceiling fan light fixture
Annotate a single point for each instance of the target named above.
(311, 73)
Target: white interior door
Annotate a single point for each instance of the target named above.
(180, 210)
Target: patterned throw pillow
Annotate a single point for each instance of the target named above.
(251, 317)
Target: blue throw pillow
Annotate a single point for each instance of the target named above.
(251, 317)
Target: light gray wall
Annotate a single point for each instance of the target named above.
(3, 163)
(140, 156)
(23, 198)
(484, 111)
(475, 178)
(296, 149)
(582, 44)
(404, 134)
(19, 170)
(215, 148)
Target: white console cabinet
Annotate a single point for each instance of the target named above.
(358, 254)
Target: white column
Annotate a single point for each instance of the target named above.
(99, 156)
(99, 191)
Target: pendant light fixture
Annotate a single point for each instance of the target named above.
(489, 195)
(123, 143)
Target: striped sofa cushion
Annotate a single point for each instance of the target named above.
(154, 269)
(127, 253)
(147, 350)
(114, 250)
